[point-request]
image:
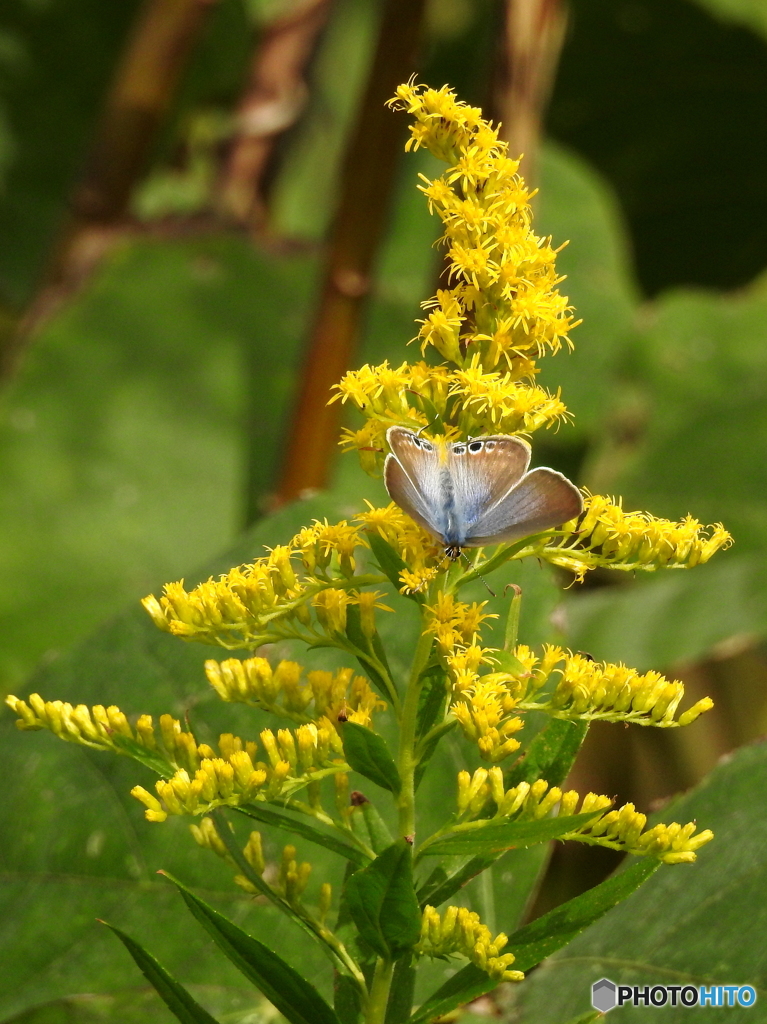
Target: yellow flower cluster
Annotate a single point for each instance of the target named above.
(484, 713)
(590, 690)
(285, 691)
(470, 401)
(91, 727)
(268, 600)
(296, 758)
(608, 536)
(459, 930)
(619, 830)
(504, 305)
(292, 877)
(455, 622)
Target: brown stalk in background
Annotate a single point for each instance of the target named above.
(273, 98)
(367, 181)
(535, 32)
(144, 84)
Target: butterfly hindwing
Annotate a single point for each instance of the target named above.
(542, 500)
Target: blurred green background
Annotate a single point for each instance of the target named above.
(170, 177)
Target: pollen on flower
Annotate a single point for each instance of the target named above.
(273, 597)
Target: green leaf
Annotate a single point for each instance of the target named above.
(360, 641)
(383, 904)
(378, 831)
(706, 920)
(550, 755)
(468, 984)
(154, 761)
(368, 754)
(401, 992)
(538, 939)
(172, 993)
(555, 929)
(290, 993)
(425, 405)
(389, 562)
(494, 837)
(288, 823)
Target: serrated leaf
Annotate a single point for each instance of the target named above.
(294, 997)
(550, 755)
(173, 994)
(288, 823)
(507, 835)
(382, 902)
(368, 754)
(389, 562)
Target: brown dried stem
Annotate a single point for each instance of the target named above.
(367, 181)
(272, 100)
(534, 35)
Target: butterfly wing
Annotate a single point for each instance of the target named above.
(483, 471)
(412, 474)
(542, 500)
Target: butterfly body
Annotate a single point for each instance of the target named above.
(476, 492)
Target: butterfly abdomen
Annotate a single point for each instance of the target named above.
(452, 526)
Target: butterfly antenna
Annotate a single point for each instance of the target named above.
(492, 593)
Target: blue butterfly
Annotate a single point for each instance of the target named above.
(478, 492)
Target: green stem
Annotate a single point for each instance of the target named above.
(379, 992)
(408, 760)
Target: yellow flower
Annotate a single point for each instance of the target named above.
(608, 536)
(459, 930)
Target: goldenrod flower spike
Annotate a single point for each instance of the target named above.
(503, 308)
(621, 830)
(588, 690)
(608, 536)
(460, 931)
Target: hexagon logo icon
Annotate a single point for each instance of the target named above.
(603, 995)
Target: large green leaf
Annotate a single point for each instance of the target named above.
(173, 994)
(73, 838)
(382, 902)
(704, 923)
(126, 420)
(291, 994)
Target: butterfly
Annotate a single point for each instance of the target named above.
(471, 493)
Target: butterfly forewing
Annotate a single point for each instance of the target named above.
(412, 474)
(483, 470)
(542, 500)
